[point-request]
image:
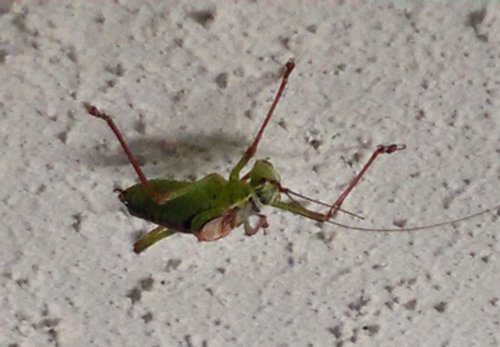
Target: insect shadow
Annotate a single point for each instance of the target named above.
(184, 154)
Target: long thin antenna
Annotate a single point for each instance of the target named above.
(423, 227)
(288, 192)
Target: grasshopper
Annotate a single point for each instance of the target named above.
(213, 206)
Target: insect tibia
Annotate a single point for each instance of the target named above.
(250, 152)
(94, 111)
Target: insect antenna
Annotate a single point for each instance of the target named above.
(422, 227)
(290, 193)
(318, 216)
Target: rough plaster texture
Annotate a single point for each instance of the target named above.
(189, 84)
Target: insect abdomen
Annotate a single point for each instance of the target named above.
(177, 214)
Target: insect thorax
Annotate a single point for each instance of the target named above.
(264, 180)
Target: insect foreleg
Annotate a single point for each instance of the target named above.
(249, 153)
(151, 238)
(381, 149)
(297, 208)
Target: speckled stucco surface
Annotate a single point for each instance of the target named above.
(188, 83)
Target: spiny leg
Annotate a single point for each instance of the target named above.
(381, 149)
(297, 208)
(94, 111)
(155, 235)
(249, 153)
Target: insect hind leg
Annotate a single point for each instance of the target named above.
(250, 152)
(95, 112)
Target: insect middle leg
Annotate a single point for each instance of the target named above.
(261, 224)
(155, 235)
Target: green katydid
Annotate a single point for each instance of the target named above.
(212, 206)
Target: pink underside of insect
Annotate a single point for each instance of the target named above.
(218, 227)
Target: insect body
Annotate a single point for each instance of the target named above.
(212, 206)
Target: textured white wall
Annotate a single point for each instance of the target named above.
(188, 85)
